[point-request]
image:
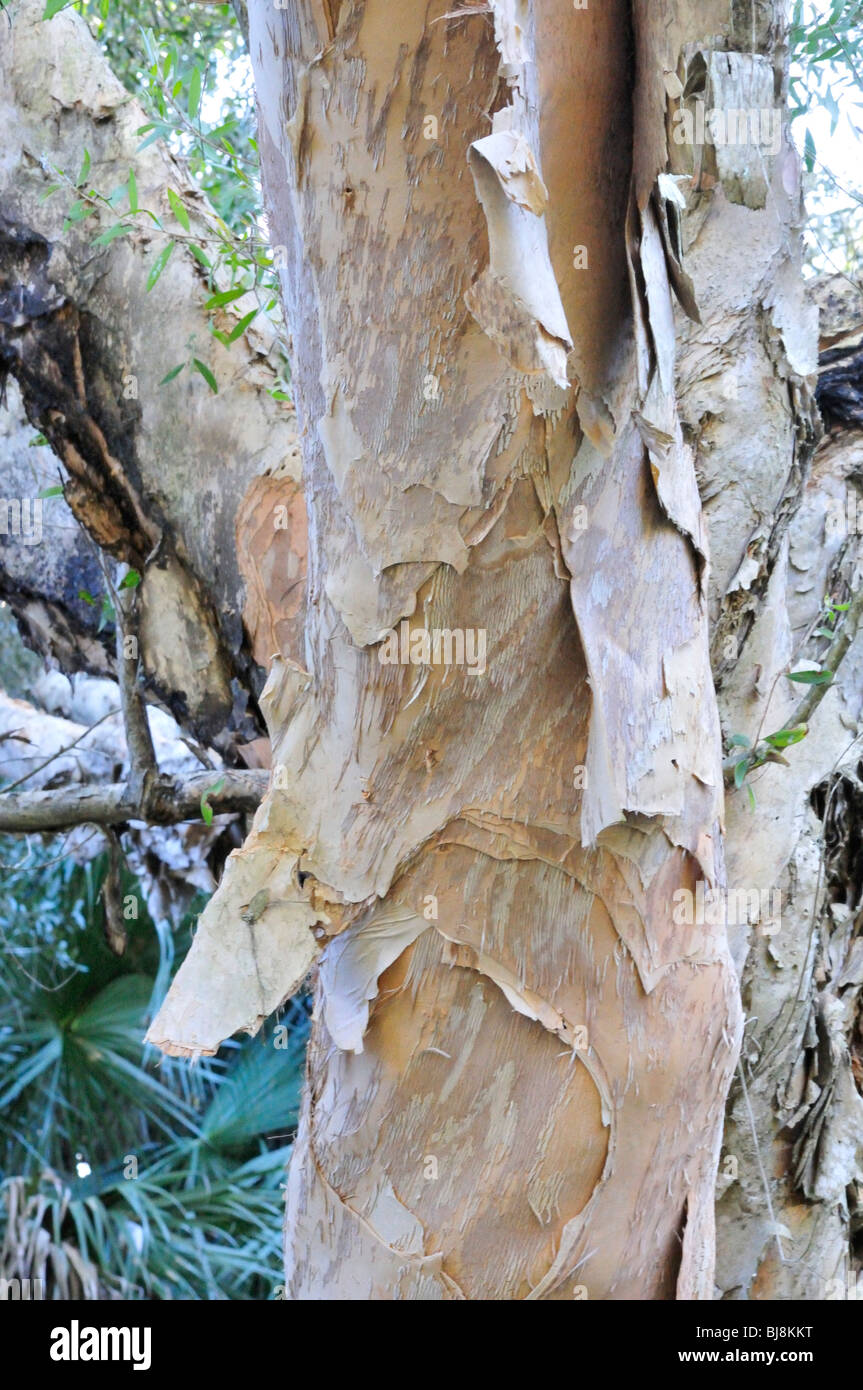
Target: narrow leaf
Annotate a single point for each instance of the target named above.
(178, 209)
(206, 374)
(84, 171)
(206, 808)
(240, 328)
(811, 677)
(194, 93)
(224, 297)
(118, 229)
(159, 265)
(169, 376)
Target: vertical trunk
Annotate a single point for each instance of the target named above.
(522, 1045)
(492, 445)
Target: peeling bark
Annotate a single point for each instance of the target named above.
(790, 1181)
(156, 475)
(502, 990)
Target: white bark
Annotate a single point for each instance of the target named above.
(160, 476)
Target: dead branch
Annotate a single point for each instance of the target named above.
(170, 801)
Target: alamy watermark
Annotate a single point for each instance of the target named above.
(843, 517)
(760, 126)
(731, 907)
(21, 1289)
(77, 1343)
(21, 518)
(437, 646)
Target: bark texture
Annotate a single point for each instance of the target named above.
(156, 475)
(790, 1178)
(504, 1100)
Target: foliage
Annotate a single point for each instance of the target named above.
(188, 67)
(19, 667)
(769, 748)
(825, 40)
(177, 1195)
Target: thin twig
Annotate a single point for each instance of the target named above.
(59, 754)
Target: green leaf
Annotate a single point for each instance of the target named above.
(51, 491)
(84, 171)
(194, 93)
(159, 265)
(150, 140)
(224, 129)
(107, 613)
(784, 738)
(51, 189)
(216, 301)
(77, 212)
(811, 677)
(239, 329)
(751, 796)
(87, 597)
(205, 372)
(179, 210)
(740, 771)
(118, 229)
(53, 7)
(206, 808)
(37, 440)
(199, 255)
(132, 186)
(739, 741)
(280, 395)
(809, 151)
(131, 579)
(175, 371)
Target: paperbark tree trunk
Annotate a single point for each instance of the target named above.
(481, 257)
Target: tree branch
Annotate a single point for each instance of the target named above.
(171, 800)
(143, 767)
(763, 752)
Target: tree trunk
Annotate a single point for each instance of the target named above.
(491, 446)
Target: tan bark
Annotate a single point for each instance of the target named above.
(522, 1112)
